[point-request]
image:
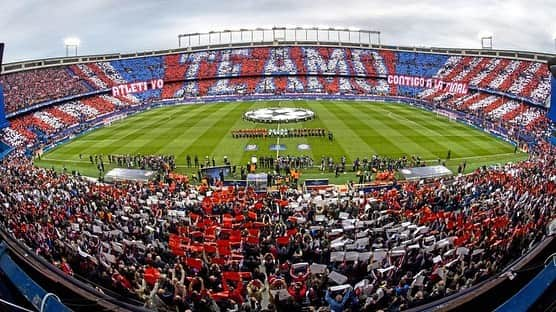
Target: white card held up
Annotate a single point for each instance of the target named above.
(337, 277)
(462, 251)
(386, 269)
(337, 256)
(379, 255)
(418, 281)
(339, 287)
(351, 256)
(364, 256)
(317, 268)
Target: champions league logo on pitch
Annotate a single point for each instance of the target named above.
(279, 115)
(251, 148)
(303, 147)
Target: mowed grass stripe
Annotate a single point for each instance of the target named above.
(391, 141)
(427, 141)
(172, 142)
(132, 129)
(460, 134)
(152, 141)
(191, 135)
(462, 142)
(344, 134)
(457, 129)
(382, 125)
(218, 142)
(321, 146)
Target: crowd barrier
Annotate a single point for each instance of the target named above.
(533, 291)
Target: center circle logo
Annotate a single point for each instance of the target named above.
(279, 115)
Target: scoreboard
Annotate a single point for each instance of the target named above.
(3, 121)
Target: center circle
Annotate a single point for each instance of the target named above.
(279, 115)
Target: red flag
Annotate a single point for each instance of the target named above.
(220, 295)
(194, 263)
(151, 275)
(252, 240)
(292, 232)
(209, 248)
(252, 215)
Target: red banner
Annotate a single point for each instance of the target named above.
(428, 83)
(137, 87)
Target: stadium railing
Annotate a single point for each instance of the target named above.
(70, 289)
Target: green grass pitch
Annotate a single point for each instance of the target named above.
(360, 129)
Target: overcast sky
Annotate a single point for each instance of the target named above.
(35, 29)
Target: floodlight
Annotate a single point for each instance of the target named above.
(72, 41)
(485, 34)
(486, 39)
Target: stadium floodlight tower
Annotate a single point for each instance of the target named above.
(486, 40)
(71, 42)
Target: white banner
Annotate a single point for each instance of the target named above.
(137, 87)
(428, 83)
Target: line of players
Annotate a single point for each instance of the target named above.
(283, 133)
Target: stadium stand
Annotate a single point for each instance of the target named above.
(523, 79)
(423, 247)
(493, 108)
(24, 89)
(176, 246)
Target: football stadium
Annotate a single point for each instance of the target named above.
(279, 169)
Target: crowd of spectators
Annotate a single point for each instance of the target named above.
(491, 108)
(202, 70)
(63, 117)
(24, 129)
(14, 138)
(24, 89)
(100, 104)
(174, 245)
(520, 78)
(178, 246)
(164, 163)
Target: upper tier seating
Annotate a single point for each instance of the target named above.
(529, 80)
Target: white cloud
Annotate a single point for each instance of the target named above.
(36, 29)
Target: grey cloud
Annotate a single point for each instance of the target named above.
(36, 28)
